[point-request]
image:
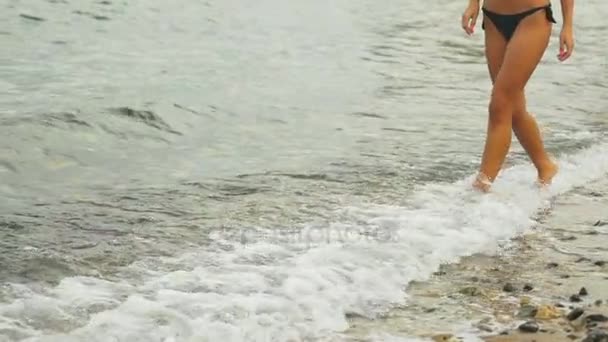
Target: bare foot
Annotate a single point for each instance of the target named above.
(547, 172)
(482, 183)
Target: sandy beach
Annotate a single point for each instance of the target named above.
(548, 285)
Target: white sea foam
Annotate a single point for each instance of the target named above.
(292, 290)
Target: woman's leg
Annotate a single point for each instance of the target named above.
(528, 134)
(524, 125)
(521, 56)
(495, 47)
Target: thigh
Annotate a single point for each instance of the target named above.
(495, 47)
(523, 52)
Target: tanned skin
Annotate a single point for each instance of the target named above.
(510, 65)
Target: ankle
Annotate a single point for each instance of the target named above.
(545, 164)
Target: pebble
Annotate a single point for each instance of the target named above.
(598, 302)
(547, 312)
(529, 327)
(552, 265)
(484, 327)
(597, 318)
(599, 263)
(528, 287)
(470, 291)
(443, 338)
(583, 292)
(509, 287)
(596, 336)
(574, 314)
(575, 298)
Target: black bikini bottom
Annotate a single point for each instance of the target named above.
(507, 23)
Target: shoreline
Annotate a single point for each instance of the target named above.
(551, 284)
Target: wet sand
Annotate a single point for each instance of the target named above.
(533, 291)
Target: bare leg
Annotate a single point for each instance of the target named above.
(520, 58)
(524, 124)
(528, 134)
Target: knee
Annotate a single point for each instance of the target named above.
(520, 116)
(501, 106)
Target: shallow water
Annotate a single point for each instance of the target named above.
(562, 253)
(230, 171)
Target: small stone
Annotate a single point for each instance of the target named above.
(564, 276)
(470, 291)
(504, 332)
(572, 336)
(552, 265)
(529, 327)
(568, 238)
(598, 302)
(524, 300)
(597, 318)
(600, 223)
(509, 287)
(582, 259)
(599, 263)
(575, 298)
(560, 305)
(574, 314)
(596, 336)
(583, 292)
(443, 338)
(484, 327)
(429, 310)
(528, 287)
(546, 312)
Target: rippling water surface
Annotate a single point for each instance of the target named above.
(232, 170)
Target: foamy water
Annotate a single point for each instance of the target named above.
(272, 289)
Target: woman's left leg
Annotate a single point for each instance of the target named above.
(527, 132)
